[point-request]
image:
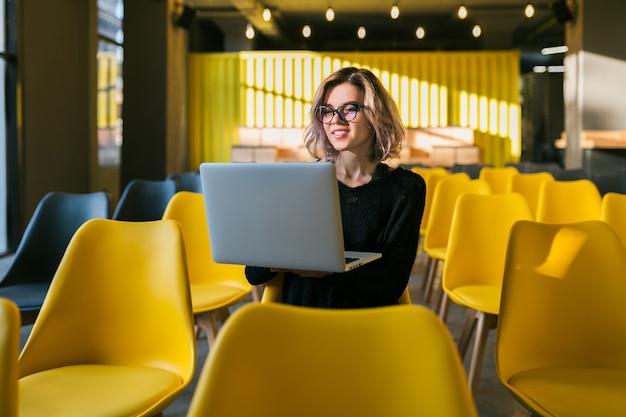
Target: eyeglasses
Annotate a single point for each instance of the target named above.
(346, 112)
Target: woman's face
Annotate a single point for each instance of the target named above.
(354, 136)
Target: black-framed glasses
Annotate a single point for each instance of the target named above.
(346, 112)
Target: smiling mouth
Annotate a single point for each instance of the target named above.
(339, 132)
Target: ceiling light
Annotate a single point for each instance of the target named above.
(476, 31)
(330, 14)
(462, 12)
(361, 32)
(267, 14)
(556, 68)
(394, 12)
(249, 31)
(553, 50)
(529, 10)
(306, 31)
(420, 32)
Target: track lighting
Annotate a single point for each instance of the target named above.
(306, 31)
(529, 10)
(267, 14)
(249, 31)
(395, 11)
(330, 14)
(462, 12)
(361, 32)
(420, 32)
(476, 31)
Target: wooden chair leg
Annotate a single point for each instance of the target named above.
(444, 306)
(429, 261)
(430, 278)
(207, 321)
(466, 332)
(485, 323)
(257, 293)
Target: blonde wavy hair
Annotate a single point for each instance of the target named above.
(381, 113)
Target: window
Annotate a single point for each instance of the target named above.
(110, 81)
(3, 134)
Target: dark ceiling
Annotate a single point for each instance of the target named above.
(503, 24)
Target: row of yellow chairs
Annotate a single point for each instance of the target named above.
(115, 337)
(468, 228)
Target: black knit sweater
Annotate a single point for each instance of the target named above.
(383, 216)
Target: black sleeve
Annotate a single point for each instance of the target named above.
(257, 275)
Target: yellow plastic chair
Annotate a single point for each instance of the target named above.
(500, 179)
(529, 185)
(431, 177)
(561, 341)
(115, 333)
(438, 228)
(9, 349)
(613, 212)
(214, 287)
(472, 272)
(568, 202)
(394, 361)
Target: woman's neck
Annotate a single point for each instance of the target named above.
(354, 172)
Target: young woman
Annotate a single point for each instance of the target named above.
(355, 124)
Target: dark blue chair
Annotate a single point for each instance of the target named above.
(614, 182)
(53, 223)
(187, 181)
(144, 200)
(571, 174)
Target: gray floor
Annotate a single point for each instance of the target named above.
(492, 399)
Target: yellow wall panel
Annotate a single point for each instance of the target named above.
(432, 89)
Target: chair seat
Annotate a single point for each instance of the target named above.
(212, 296)
(28, 297)
(571, 392)
(80, 390)
(485, 298)
(437, 252)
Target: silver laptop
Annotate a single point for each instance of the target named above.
(277, 215)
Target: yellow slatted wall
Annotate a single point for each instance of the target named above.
(432, 89)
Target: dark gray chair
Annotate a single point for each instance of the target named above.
(144, 200)
(53, 223)
(187, 181)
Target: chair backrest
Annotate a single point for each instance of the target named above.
(571, 174)
(568, 201)
(442, 208)
(431, 178)
(500, 179)
(473, 170)
(187, 181)
(9, 349)
(529, 185)
(614, 182)
(614, 213)
(120, 297)
(187, 208)
(562, 296)
(386, 361)
(144, 200)
(53, 223)
(478, 237)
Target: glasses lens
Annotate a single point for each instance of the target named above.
(324, 114)
(348, 112)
